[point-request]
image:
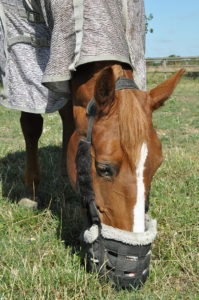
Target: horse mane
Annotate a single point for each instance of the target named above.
(133, 125)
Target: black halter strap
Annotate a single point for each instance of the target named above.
(124, 83)
(90, 111)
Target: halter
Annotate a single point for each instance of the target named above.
(88, 201)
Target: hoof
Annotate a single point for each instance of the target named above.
(25, 202)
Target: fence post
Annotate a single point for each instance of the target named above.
(164, 64)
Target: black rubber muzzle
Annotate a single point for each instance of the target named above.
(127, 265)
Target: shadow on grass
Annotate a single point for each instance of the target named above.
(192, 75)
(54, 191)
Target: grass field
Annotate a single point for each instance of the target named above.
(39, 250)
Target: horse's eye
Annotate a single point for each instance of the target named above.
(104, 170)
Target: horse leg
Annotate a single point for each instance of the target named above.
(68, 124)
(31, 125)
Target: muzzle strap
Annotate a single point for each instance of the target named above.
(95, 218)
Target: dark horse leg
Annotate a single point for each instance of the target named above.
(31, 125)
(66, 114)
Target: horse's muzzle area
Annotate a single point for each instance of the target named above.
(127, 266)
(121, 256)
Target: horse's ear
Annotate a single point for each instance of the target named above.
(105, 90)
(163, 91)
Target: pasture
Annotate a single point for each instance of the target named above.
(39, 250)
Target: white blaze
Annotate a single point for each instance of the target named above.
(139, 208)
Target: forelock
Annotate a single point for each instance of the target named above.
(133, 125)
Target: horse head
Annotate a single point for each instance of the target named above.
(112, 157)
(125, 148)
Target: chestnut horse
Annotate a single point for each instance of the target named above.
(126, 151)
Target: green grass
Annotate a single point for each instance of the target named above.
(39, 250)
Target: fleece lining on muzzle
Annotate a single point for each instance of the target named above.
(130, 238)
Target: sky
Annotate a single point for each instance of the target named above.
(176, 28)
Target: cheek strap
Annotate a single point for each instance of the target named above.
(84, 181)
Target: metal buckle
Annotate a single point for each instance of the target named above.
(34, 17)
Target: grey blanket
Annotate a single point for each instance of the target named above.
(39, 53)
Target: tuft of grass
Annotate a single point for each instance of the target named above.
(40, 250)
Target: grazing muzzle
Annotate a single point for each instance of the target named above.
(115, 254)
(119, 255)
